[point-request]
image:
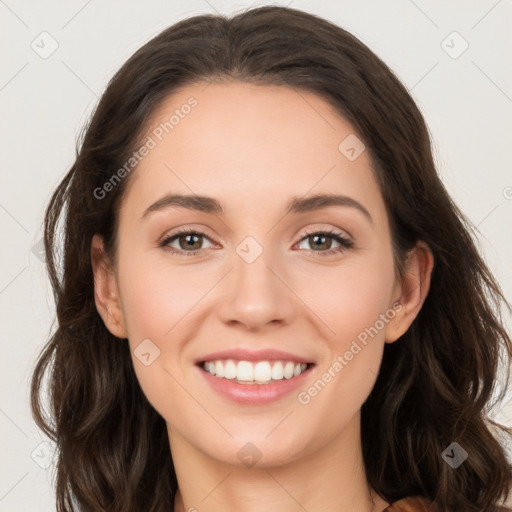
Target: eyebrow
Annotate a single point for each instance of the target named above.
(296, 204)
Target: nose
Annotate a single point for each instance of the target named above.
(256, 292)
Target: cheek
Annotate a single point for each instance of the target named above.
(157, 303)
(339, 304)
(161, 300)
(351, 297)
(157, 296)
(353, 303)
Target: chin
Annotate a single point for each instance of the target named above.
(259, 450)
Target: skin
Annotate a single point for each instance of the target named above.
(253, 148)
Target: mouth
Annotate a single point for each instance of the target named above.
(262, 372)
(255, 377)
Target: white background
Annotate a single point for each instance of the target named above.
(467, 102)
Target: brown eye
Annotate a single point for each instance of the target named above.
(321, 242)
(189, 242)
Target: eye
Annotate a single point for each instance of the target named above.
(188, 241)
(321, 239)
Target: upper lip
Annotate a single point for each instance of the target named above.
(241, 354)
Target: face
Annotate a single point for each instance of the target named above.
(254, 279)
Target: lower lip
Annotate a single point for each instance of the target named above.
(254, 394)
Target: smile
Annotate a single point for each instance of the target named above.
(257, 372)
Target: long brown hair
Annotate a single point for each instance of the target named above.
(435, 383)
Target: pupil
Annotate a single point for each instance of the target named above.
(316, 237)
(189, 243)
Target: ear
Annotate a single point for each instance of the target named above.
(106, 292)
(411, 291)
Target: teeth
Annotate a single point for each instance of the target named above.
(219, 369)
(289, 368)
(277, 371)
(230, 370)
(244, 371)
(262, 372)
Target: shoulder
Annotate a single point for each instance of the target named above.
(411, 504)
(420, 504)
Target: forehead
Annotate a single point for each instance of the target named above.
(246, 143)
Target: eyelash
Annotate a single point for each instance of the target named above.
(345, 243)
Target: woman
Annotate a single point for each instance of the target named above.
(211, 353)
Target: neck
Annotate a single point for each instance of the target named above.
(329, 479)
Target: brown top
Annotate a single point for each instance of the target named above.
(417, 504)
(410, 504)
